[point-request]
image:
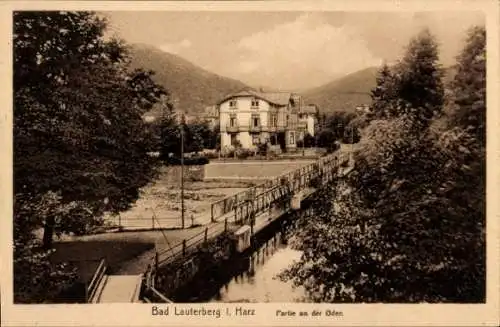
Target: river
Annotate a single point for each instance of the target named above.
(250, 278)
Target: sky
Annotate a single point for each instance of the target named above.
(291, 50)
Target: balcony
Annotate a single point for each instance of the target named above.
(271, 129)
(255, 128)
(232, 128)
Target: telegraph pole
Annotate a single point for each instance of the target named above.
(182, 169)
(352, 143)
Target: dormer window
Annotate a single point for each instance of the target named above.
(255, 103)
(232, 104)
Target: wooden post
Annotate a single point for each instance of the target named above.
(212, 212)
(183, 247)
(206, 234)
(225, 225)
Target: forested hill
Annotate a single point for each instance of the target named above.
(345, 93)
(192, 88)
(350, 91)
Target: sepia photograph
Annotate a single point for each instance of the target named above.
(164, 157)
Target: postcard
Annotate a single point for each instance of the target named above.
(271, 163)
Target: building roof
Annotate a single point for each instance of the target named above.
(309, 109)
(211, 111)
(278, 98)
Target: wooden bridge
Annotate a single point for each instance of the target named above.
(256, 207)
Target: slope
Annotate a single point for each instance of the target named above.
(345, 93)
(192, 88)
(350, 91)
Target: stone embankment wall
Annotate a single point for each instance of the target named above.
(191, 173)
(177, 274)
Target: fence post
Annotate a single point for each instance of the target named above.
(206, 234)
(120, 222)
(225, 225)
(212, 212)
(183, 247)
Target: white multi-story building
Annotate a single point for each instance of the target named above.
(249, 118)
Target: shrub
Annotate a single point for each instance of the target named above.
(194, 161)
(309, 141)
(244, 153)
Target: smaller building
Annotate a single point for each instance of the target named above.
(211, 116)
(308, 119)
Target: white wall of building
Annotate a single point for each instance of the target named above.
(245, 139)
(243, 113)
(225, 140)
(311, 122)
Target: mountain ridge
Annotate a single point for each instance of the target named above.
(191, 87)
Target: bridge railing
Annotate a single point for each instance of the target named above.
(187, 245)
(230, 203)
(244, 206)
(91, 288)
(285, 186)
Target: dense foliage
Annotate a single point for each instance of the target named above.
(80, 143)
(197, 136)
(408, 224)
(336, 127)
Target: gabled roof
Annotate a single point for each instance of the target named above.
(309, 109)
(278, 98)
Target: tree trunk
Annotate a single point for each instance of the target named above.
(48, 232)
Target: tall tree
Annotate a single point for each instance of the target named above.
(79, 135)
(419, 87)
(468, 107)
(409, 225)
(383, 95)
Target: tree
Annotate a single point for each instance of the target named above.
(409, 224)
(419, 86)
(308, 140)
(78, 127)
(468, 104)
(383, 94)
(197, 136)
(413, 87)
(410, 228)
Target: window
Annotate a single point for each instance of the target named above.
(232, 121)
(232, 104)
(255, 140)
(274, 120)
(255, 103)
(292, 138)
(255, 121)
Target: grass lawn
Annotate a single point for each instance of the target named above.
(252, 169)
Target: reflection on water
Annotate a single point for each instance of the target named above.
(250, 278)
